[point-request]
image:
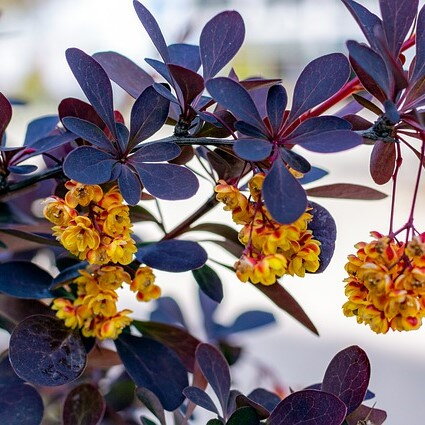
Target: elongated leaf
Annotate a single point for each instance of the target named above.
(189, 84)
(276, 105)
(314, 174)
(317, 125)
(232, 96)
(155, 152)
(200, 398)
(249, 130)
(68, 274)
(23, 279)
(168, 311)
(95, 84)
(33, 237)
(153, 30)
(168, 181)
(152, 403)
(330, 141)
(148, 115)
(22, 169)
(5, 114)
(309, 407)
(284, 196)
(40, 127)
(319, 80)
(154, 366)
(174, 337)
(129, 185)
(138, 213)
(221, 38)
(243, 401)
(347, 376)
(185, 55)
(346, 191)
(382, 161)
(265, 398)
(219, 229)
(173, 255)
(84, 405)
(284, 300)
(54, 141)
(366, 413)
(419, 70)
(89, 165)
(20, 405)
(209, 282)
(165, 91)
(129, 76)
(247, 321)
(216, 371)
(45, 352)
(295, 161)
(253, 149)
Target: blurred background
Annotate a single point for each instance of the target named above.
(282, 36)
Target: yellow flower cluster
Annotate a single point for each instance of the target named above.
(93, 225)
(271, 249)
(386, 284)
(94, 310)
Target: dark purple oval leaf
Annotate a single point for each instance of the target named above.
(71, 107)
(276, 105)
(5, 114)
(164, 90)
(122, 136)
(89, 132)
(200, 398)
(368, 414)
(319, 80)
(232, 96)
(185, 55)
(252, 149)
(382, 161)
(20, 405)
(154, 366)
(295, 161)
(249, 130)
(68, 274)
(419, 70)
(168, 311)
(309, 407)
(347, 376)
(215, 370)
(173, 255)
(148, 115)
(51, 142)
(95, 84)
(265, 398)
(124, 72)
(189, 84)
(314, 174)
(23, 279)
(346, 191)
(155, 152)
(284, 196)
(330, 141)
(40, 127)
(89, 165)
(22, 169)
(317, 125)
(168, 181)
(209, 282)
(152, 403)
(129, 185)
(247, 321)
(45, 352)
(160, 68)
(243, 401)
(8, 377)
(84, 405)
(220, 40)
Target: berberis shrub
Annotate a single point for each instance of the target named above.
(101, 171)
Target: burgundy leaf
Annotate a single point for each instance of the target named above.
(382, 161)
(200, 398)
(329, 141)
(243, 401)
(148, 115)
(232, 96)
(366, 103)
(124, 72)
(185, 55)
(221, 38)
(319, 80)
(95, 84)
(358, 123)
(366, 413)
(276, 104)
(256, 83)
(5, 114)
(189, 84)
(284, 196)
(285, 301)
(252, 149)
(347, 376)
(267, 399)
(309, 407)
(153, 30)
(71, 107)
(129, 185)
(152, 403)
(155, 152)
(346, 191)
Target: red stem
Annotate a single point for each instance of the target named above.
(399, 161)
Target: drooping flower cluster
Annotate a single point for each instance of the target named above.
(271, 249)
(93, 225)
(386, 283)
(94, 310)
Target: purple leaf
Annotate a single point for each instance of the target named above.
(129, 76)
(314, 174)
(252, 149)
(347, 376)
(319, 80)
(368, 415)
(168, 311)
(346, 191)
(71, 107)
(167, 181)
(330, 141)
(221, 38)
(155, 152)
(189, 84)
(39, 128)
(284, 196)
(153, 366)
(160, 68)
(148, 115)
(123, 137)
(216, 371)
(89, 132)
(153, 30)
(164, 90)
(295, 161)
(51, 142)
(89, 165)
(265, 398)
(152, 403)
(247, 321)
(83, 405)
(419, 70)
(8, 376)
(5, 114)
(397, 17)
(232, 96)
(382, 161)
(129, 185)
(22, 169)
(318, 125)
(276, 104)
(309, 407)
(249, 130)
(209, 282)
(200, 398)
(173, 255)
(95, 84)
(45, 352)
(185, 55)
(324, 230)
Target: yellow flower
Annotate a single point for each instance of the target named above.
(144, 284)
(117, 221)
(80, 236)
(82, 194)
(415, 250)
(255, 186)
(111, 199)
(113, 326)
(73, 316)
(121, 251)
(58, 213)
(265, 270)
(112, 277)
(103, 303)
